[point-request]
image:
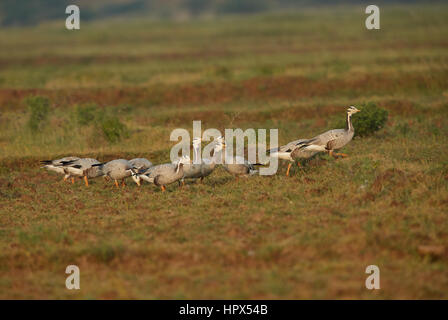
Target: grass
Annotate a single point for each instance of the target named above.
(308, 236)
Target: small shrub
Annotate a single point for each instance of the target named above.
(371, 119)
(113, 129)
(39, 108)
(85, 115)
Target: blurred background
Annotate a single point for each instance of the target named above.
(137, 69)
(35, 11)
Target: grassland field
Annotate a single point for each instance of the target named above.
(310, 235)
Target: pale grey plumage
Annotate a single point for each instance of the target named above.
(327, 141)
(191, 171)
(56, 165)
(206, 167)
(164, 174)
(141, 164)
(239, 167)
(119, 169)
(333, 139)
(292, 151)
(236, 166)
(80, 168)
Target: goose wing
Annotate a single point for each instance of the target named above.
(140, 164)
(324, 138)
(159, 169)
(288, 147)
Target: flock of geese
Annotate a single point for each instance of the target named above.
(164, 174)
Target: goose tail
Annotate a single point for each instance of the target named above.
(65, 163)
(146, 178)
(97, 164)
(252, 172)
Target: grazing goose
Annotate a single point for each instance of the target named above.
(333, 139)
(80, 168)
(192, 170)
(141, 164)
(237, 166)
(119, 170)
(55, 165)
(207, 166)
(167, 173)
(292, 152)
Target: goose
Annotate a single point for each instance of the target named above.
(192, 170)
(292, 152)
(207, 166)
(81, 168)
(333, 139)
(167, 173)
(141, 164)
(118, 170)
(237, 166)
(55, 165)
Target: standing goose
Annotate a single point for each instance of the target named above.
(237, 166)
(118, 170)
(333, 139)
(141, 164)
(207, 166)
(55, 165)
(80, 168)
(167, 173)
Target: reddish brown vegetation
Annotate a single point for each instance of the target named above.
(224, 92)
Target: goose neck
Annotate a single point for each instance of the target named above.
(349, 126)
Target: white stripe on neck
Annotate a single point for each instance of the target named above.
(349, 122)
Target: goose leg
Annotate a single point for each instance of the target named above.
(343, 155)
(163, 188)
(86, 181)
(123, 184)
(116, 183)
(73, 180)
(287, 170)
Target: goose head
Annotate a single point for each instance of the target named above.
(219, 146)
(220, 141)
(136, 177)
(181, 162)
(352, 110)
